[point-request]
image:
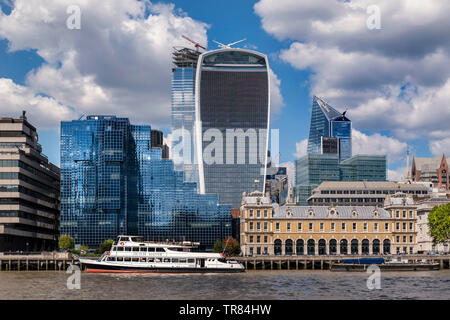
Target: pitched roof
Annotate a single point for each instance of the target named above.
(363, 212)
(427, 164)
(328, 110)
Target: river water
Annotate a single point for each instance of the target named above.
(280, 284)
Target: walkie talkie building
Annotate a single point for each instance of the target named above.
(232, 102)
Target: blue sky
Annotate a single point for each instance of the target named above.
(385, 77)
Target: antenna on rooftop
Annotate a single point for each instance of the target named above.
(228, 46)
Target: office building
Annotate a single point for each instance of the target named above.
(434, 170)
(313, 169)
(115, 181)
(363, 193)
(29, 190)
(425, 242)
(327, 122)
(183, 111)
(364, 168)
(232, 104)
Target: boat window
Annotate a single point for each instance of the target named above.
(157, 260)
(127, 248)
(191, 260)
(223, 260)
(119, 248)
(160, 250)
(135, 249)
(111, 259)
(166, 260)
(182, 260)
(123, 239)
(113, 249)
(143, 249)
(135, 259)
(151, 249)
(136, 239)
(126, 259)
(175, 260)
(150, 260)
(119, 259)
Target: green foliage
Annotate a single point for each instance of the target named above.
(232, 247)
(105, 246)
(66, 242)
(439, 223)
(218, 246)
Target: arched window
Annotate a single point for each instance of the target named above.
(386, 246)
(333, 246)
(344, 246)
(289, 247)
(376, 246)
(300, 247)
(354, 246)
(311, 247)
(365, 246)
(322, 247)
(277, 247)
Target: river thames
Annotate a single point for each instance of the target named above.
(252, 285)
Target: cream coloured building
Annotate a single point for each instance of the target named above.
(269, 229)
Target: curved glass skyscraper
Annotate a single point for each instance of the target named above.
(232, 102)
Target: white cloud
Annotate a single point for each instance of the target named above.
(301, 148)
(397, 174)
(42, 110)
(378, 144)
(118, 63)
(440, 147)
(276, 99)
(396, 78)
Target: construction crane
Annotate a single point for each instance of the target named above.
(196, 44)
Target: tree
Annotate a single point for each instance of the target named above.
(232, 247)
(218, 246)
(66, 242)
(105, 246)
(439, 223)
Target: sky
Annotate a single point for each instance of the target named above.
(391, 71)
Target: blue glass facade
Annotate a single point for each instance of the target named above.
(328, 122)
(313, 169)
(183, 110)
(113, 182)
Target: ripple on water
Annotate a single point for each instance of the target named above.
(284, 284)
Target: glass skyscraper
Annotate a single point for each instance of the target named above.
(328, 122)
(183, 110)
(232, 114)
(114, 182)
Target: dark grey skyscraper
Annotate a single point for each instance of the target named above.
(232, 115)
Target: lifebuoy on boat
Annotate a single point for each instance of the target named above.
(107, 253)
(122, 243)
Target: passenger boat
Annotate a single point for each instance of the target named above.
(131, 255)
